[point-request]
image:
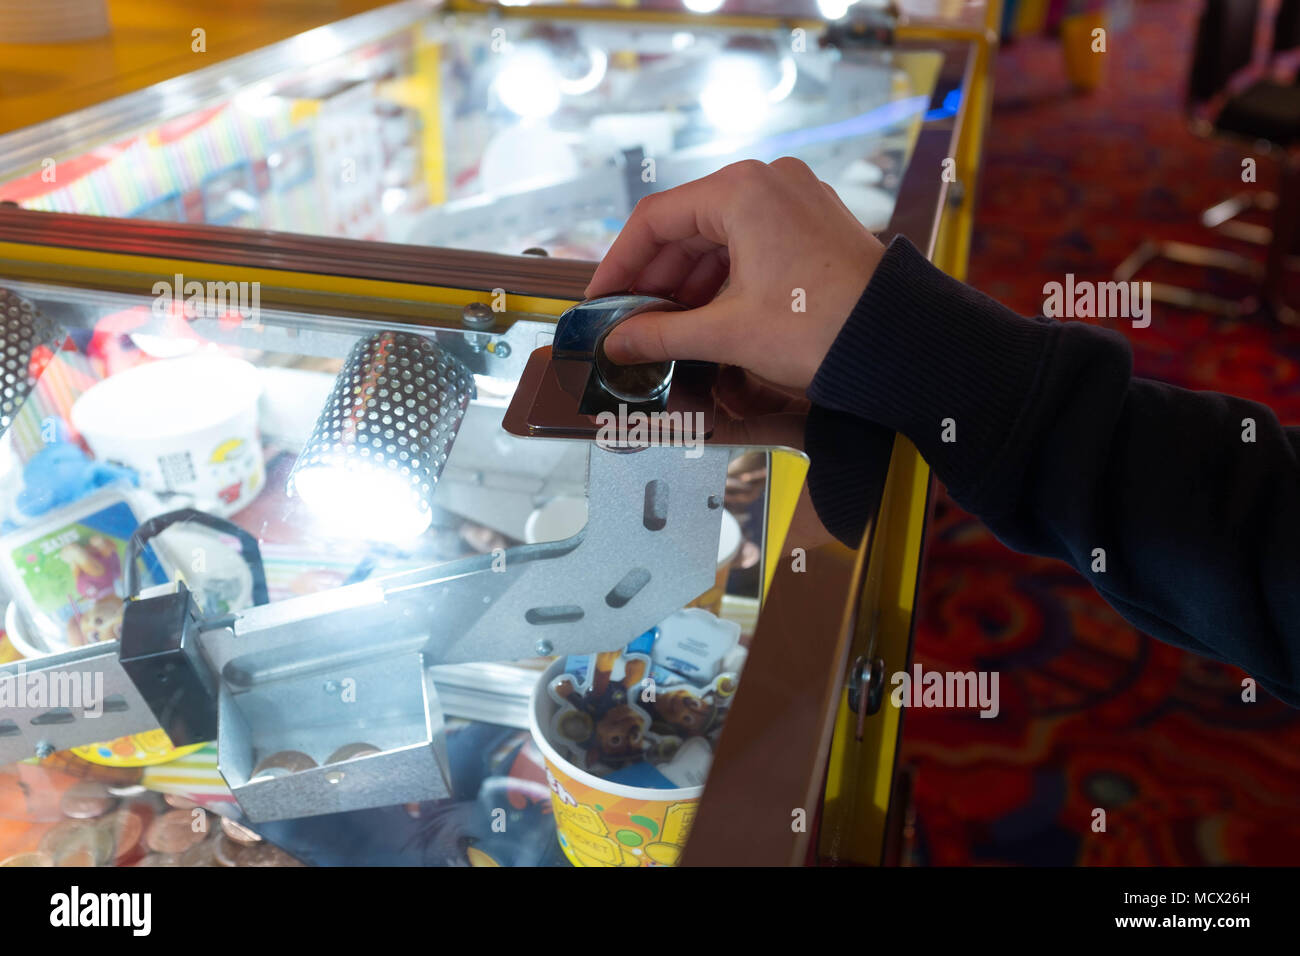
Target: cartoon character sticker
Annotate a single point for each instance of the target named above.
(72, 576)
(231, 465)
(102, 621)
(601, 829)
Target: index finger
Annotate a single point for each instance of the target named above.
(673, 215)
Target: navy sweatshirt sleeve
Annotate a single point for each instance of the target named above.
(1039, 428)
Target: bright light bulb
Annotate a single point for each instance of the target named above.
(392, 199)
(834, 9)
(734, 98)
(529, 85)
(363, 502)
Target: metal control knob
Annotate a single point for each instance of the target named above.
(580, 335)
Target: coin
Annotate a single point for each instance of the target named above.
(78, 858)
(232, 853)
(239, 833)
(350, 751)
(159, 859)
(280, 858)
(201, 854)
(73, 836)
(28, 859)
(174, 832)
(82, 801)
(281, 764)
(263, 854)
(227, 851)
(126, 826)
(177, 802)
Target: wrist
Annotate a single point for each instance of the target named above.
(932, 358)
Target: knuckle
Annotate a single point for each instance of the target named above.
(747, 170)
(793, 166)
(644, 204)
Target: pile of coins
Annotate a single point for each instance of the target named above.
(285, 762)
(130, 826)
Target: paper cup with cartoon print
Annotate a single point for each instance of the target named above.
(186, 425)
(600, 823)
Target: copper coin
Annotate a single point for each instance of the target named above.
(235, 854)
(227, 851)
(349, 751)
(279, 858)
(83, 801)
(201, 854)
(73, 836)
(280, 764)
(177, 802)
(174, 832)
(29, 859)
(159, 859)
(264, 854)
(126, 827)
(239, 833)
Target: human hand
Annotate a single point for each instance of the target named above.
(773, 238)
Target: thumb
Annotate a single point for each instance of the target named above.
(700, 334)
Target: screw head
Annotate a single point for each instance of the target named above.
(544, 648)
(477, 316)
(44, 749)
(501, 350)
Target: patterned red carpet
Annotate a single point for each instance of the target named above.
(1094, 713)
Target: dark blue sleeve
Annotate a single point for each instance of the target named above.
(1039, 428)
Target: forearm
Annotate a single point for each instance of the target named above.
(1038, 428)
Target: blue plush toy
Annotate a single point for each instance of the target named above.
(61, 473)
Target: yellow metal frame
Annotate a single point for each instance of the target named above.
(860, 773)
(136, 274)
(952, 246)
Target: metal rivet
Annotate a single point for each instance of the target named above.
(544, 648)
(477, 315)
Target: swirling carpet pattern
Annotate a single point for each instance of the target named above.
(1094, 714)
